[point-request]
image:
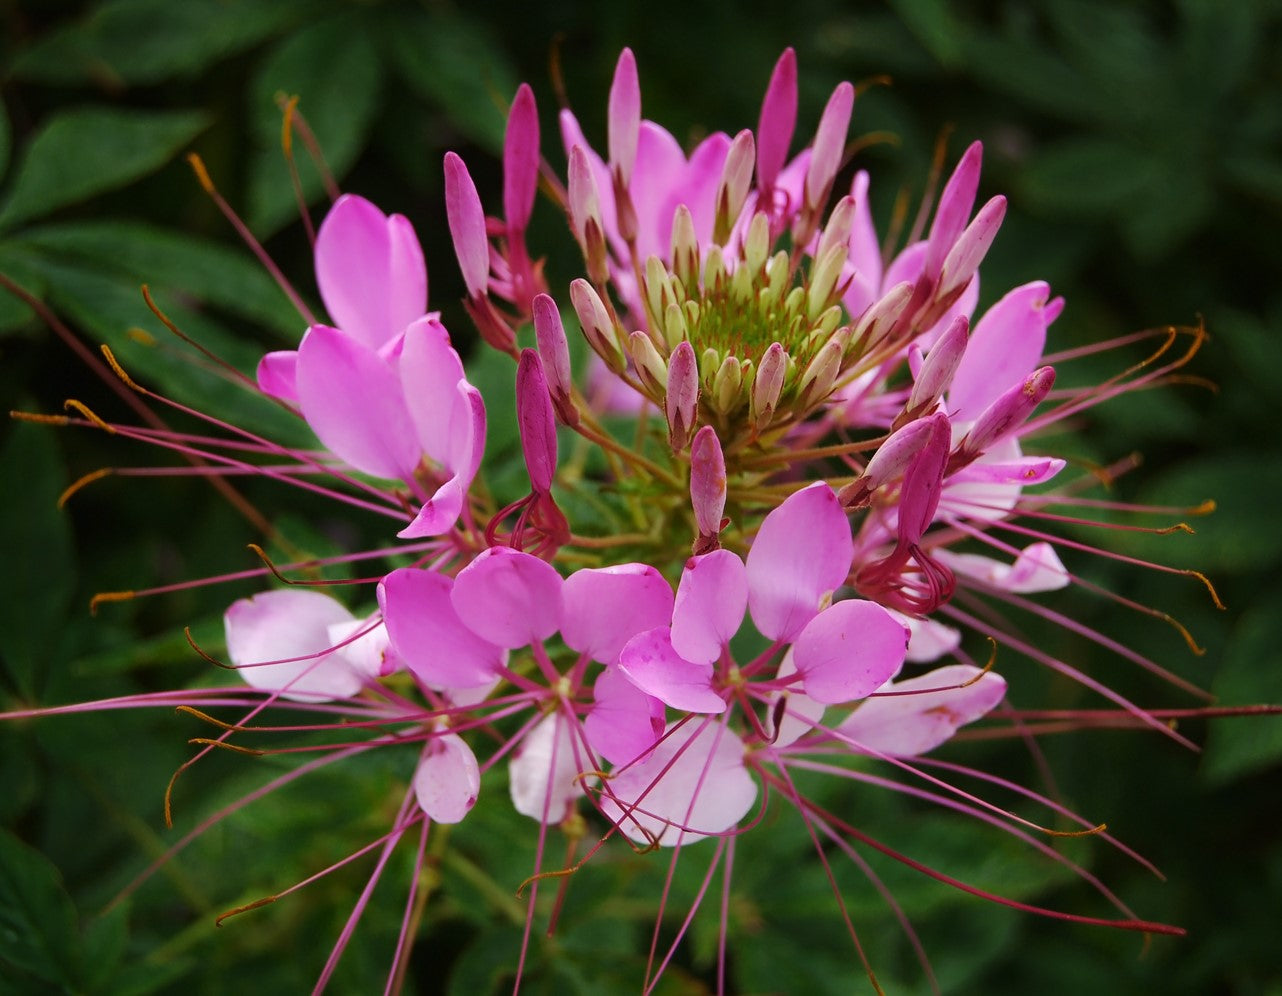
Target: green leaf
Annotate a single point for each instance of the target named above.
(935, 25)
(336, 72)
(171, 261)
(1248, 676)
(452, 60)
(135, 42)
(6, 140)
(38, 928)
(1087, 176)
(39, 571)
(85, 152)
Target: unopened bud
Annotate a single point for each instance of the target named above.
(554, 350)
(535, 420)
(821, 374)
(585, 214)
(725, 385)
(1008, 412)
(624, 118)
(466, 220)
(682, 402)
(889, 462)
(736, 179)
(940, 364)
(707, 488)
(598, 326)
(685, 247)
(767, 385)
(651, 369)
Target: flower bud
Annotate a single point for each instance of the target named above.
(554, 350)
(651, 369)
(767, 385)
(778, 118)
(725, 385)
(940, 364)
(707, 488)
(535, 419)
(598, 326)
(624, 119)
(732, 192)
(682, 401)
(1008, 412)
(466, 219)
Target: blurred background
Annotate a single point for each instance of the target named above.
(1140, 144)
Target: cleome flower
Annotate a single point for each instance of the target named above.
(829, 491)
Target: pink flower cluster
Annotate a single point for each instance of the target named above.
(822, 450)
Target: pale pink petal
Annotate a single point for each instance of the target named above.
(448, 779)
(978, 494)
(1005, 347)
(849, 650)
(285, 625)
(545, 773)
(928, 640)
(624, 722)
(365, 646)
(352, 400)
(277, 375)
(605, 607)
(931, 712)
(428, 635)
(624, 118)
(691, 786)
(656, 189)
(650, 663)
(370, 271)
(802, 552)
(709, 607)
(1037, 568)
(829, 145)
(510, 598)
(801, 713)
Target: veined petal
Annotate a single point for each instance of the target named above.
(917, 715)
(605, 607)
(802, 552)
(508, 597)
(649, 662)
(691, 786)
(428, 635)
(849, 650)
(624, 722)
(370, 271)
(284, 625)
(352, 400)
(448, 779)
(709, 607)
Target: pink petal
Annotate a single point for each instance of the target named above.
(448, 779)
(1005, 347)
(509, 598)
(605, 607)
(466, 219)
(709, 606)
(624, 119)
(624, 722)
(277, 375)
(544, 774)
(691, 786)
(778, 118)
(520, 159)
(536, 420)
(955, 202)
(865, 246)
(650, 663)
(284, 625)
(1037, 568)
(441, 511)
(352, 400)
(428, 635)
(849, 650)
(829, 145)
(909, 724)
(802, 552)
(801, 713)
(429, 371)
(370, 271)
(656, 189)
(369, 653)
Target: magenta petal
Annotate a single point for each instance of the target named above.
(849, 650)
(691, 786)
(921, 713)
(448, 779)
(545, 773)
(650, 663)
(510, 598)
(520, 159)
(1005, 347)
(370, 271)
(277, 375)
(802, 552)
(605, 607)
(709, 607)
(537, 422)
(352, 400)
(955, 202)
(283, 626)
(778, 118)
(624, 722)
(428, 635)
